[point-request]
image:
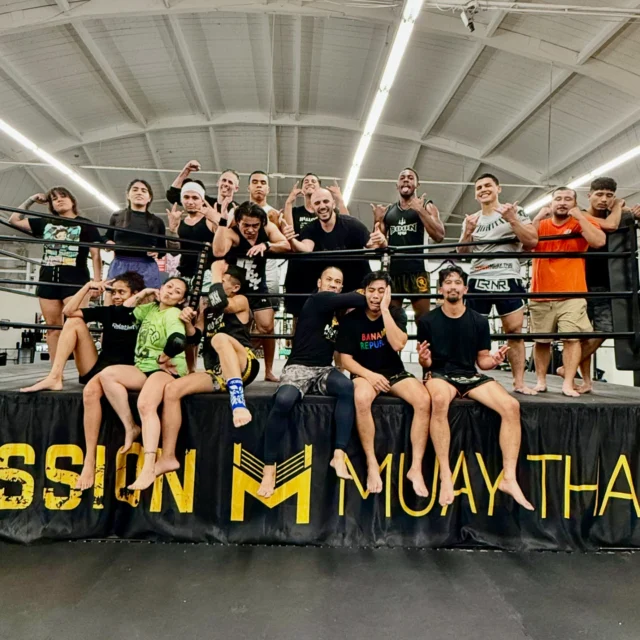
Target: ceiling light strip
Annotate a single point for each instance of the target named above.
(588, 177)
(410, 14)
(56, 164)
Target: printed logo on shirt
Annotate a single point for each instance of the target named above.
(402, 228)
(375, 340)
(215, 324)
(124, 327)
(55, 255)
(252, 276)
(331, 330)
(148, 336)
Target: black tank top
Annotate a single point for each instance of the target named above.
(228, 323)
(404, 228)
(255, 268)
(200, 232)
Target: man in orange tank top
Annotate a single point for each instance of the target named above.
(561, 275)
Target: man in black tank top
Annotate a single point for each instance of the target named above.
(404, 224)
(230, 363)
(246, 245)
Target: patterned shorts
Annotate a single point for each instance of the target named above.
(306, 379)
(249, 374)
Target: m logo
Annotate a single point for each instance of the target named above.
(293, 477)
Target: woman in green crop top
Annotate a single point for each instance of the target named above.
(159, 359)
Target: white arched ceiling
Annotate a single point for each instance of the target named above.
(284, 86)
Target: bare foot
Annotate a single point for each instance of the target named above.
(130, 436)
(541, 387)
(524, 390)
(446, 491)
(269, 376)
(560, 372)
(241, 417)
(165, 464)
(512, 488)
(340, 466)
(374, 481)
(569, 391)
(417, 480)
(268, 484)
(87, 476)
(584, 388)
(49, 383)
(144, 480)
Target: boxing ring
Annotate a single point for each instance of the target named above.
(579, 460)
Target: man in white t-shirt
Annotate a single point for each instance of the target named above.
(493, 274)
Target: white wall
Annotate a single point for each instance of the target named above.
(16, 309)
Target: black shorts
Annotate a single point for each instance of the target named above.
(395, 378)
(62, 275)
(462, 384)
(249, 374)
(600, 312)
(260, 303)
(503, 306)
(150, 373)
(418, 282)
(94, 371)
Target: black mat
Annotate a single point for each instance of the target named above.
(114, 590)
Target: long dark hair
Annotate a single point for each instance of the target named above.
(125, 220)
(61, 192)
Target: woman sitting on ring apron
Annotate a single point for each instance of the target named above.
(136, 217)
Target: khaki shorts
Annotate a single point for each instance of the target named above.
(561, 316)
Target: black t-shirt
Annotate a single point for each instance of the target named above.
(227, 323)
(597, 269)
(366, 340)
(302, 217)
(68, 229)
(200, 232)
(348, 233)
(119, 332)
(317, 328)
(454, 342)
(138, 221)
(404, 229)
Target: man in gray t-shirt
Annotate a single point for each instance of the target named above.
(494, 274)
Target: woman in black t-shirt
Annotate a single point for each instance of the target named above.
(136, 217)
(61, 263)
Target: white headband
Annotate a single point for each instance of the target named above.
(192, 186)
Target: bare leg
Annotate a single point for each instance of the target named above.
(413, 392)
(233, 361)
(364, 395)
(148, 402)
(421, 306)
(172, 416)
(116, 381)
(512, 323)
(91, 396)
(542, 359)
(265, 324)
(587, 349)
(52, 312)
(191, 353)
(74, 338)
(570, 360)
(442, 394)
(495, 397)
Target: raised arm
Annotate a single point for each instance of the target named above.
(396, 335)
(430, 217)
(612, 221)
(174, 216)
(224, 238)
(338, 199)
(468, 227)
(20, 220)
(524, 231)
(290, 202)
(590, 232)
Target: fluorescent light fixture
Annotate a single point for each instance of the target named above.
(56, 164)
(588, 177)
(410, 14)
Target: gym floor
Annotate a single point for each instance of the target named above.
(111, 590)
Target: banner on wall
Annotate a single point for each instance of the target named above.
(579, 466)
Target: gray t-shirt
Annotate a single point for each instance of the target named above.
(495, 227)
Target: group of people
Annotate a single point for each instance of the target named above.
(353, 317)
